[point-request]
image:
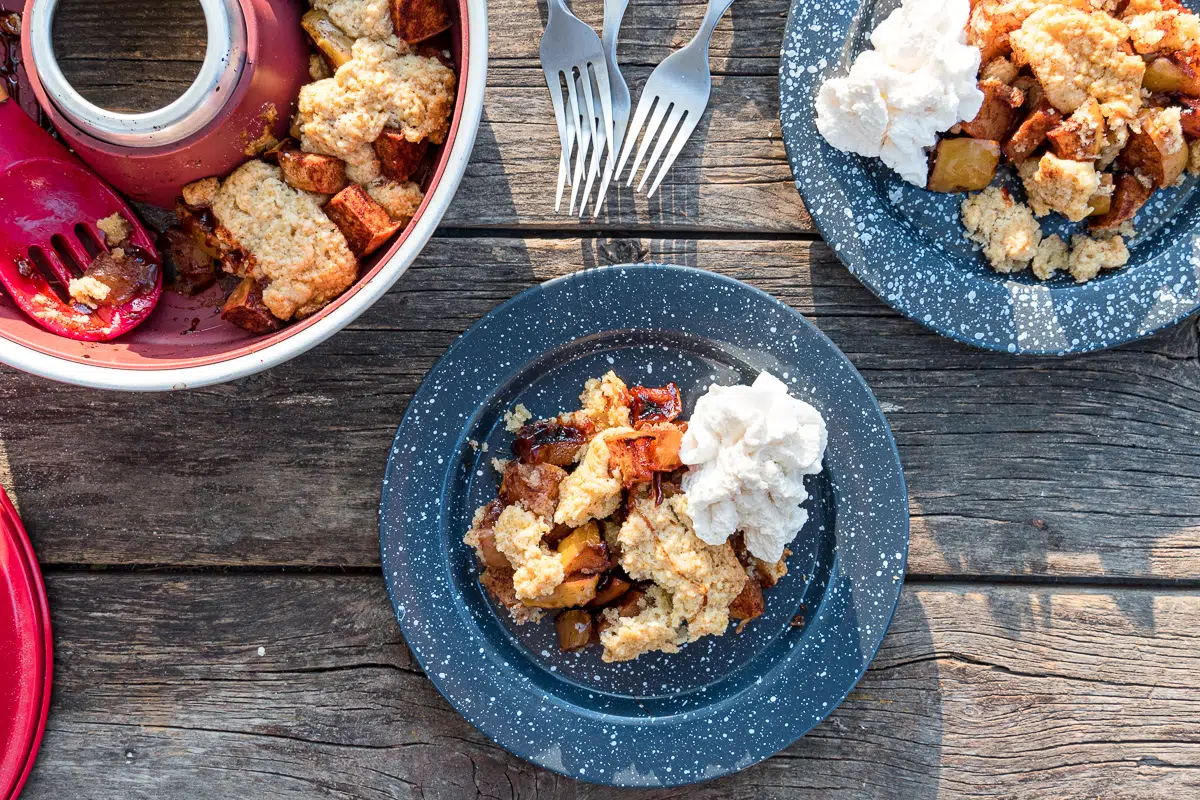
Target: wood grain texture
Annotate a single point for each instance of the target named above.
(161, 691)
(1081, 467)
(1033, 470)
(732, 176)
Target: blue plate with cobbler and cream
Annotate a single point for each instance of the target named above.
(1019, 175)
(644, 525)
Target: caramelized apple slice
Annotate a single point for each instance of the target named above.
(329, 38)
(549, 441)
(583, 551)
(636, 457)
(611, 588)
(1163, 75)
(963, 165)
(1152, 154)
(649, 406)
(1030, 134)
(1129, 195)
(998, 112)
(575, 628)
(574, 592)
(533, 486)
(750, 603)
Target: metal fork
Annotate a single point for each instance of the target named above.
(569, 48)
(614, 12)
(580, 136)
(682, 83)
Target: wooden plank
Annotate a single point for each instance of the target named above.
(746, 42)
(1084, 467)
(296, 686)
(732, 176)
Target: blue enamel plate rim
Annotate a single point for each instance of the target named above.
(1021, 317)
(488, 691)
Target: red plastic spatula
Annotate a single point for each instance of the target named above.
(49, 206)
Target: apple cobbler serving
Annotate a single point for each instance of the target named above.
(1094, 104)
(293, 223)
(643, 532)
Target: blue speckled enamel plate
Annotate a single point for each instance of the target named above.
(907, 245)
(723, 703)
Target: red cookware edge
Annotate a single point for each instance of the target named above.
(22, 664)
(37, 677)
(43, 644)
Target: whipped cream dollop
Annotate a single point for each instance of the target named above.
(919, 81)
(748, 449)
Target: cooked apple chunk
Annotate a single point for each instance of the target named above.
(648, 405)
(193, 269)
(1079, 137)
(612, 587)
(1101, 201)
(335, 45)
(583, 551)
(549, 441)
(998, 112)
(1157, 152)
(1163, 75)
(1189, 65)
(1189, 118)
(750, 603)
(533, 486)
(964, 165)
(399, 159)
(364, 223)
(575, 629)
(246, 309)
(636, 457)
(311, 172)
(418, 20)
(1129, 195)
(1030, 134)
(574, 592)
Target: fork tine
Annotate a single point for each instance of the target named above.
(564, 167)
(586, 81)
(685, 131)
(599, 140)
(604, 181)
(584, 140)
(615, 148)
(554, 84)
(632, 131)
(660, 111)
(664, 139)
(604, 89)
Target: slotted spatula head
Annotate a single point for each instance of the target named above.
(49, 206)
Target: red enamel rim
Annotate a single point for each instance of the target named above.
(18, 562)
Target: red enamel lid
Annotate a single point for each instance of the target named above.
(25, 653)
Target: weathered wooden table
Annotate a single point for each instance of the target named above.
(221, 625)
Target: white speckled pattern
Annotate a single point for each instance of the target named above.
(724, 702)
(907, 245)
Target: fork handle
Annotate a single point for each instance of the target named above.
(554, 7)
(716, 10)
(614, 11)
